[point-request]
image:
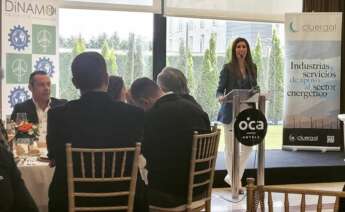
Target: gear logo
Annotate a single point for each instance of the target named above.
(19, 38)
(44, 64)
(17, 95)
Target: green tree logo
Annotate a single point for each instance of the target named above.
(18, 68)
(45, 39)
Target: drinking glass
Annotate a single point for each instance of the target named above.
(20, 117)
(10, 130)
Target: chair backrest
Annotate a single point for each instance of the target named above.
(203, 161)
(106, 165)
(256, 197)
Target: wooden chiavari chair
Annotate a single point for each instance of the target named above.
(116, 173)
(256, 197)
(203, 160)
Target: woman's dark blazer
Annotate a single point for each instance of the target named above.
(228, 82)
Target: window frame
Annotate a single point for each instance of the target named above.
(154, 8)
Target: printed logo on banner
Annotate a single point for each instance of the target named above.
(17, 95)
(292, 138)
(292, 27)
(19, 38)
(330, 139)
(44, 64)
(28, 8)
(250, 127)
(303, 138)
(18, 68)
(45, 39)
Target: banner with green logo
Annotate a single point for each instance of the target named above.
(29, 43)
(312, 81)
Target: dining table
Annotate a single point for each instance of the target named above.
(37, 176)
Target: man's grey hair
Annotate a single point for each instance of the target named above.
(172, 79)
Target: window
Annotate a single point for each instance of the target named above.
(202, 24)
(180, 27)
(203, 76)
(190, 42)
(126, 45)
(131, 2)
(191, 26)
(170, 43)
(202, 43)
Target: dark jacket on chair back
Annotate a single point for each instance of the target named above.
(167, 146)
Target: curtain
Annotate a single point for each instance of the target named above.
(323, 6)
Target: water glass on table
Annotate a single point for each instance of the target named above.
(20, 117)
(10, 128)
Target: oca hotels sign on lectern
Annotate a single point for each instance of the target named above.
(250, 127)
(312, 81)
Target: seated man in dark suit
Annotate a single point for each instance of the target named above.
(170, 121)
(37, 107)
(94, 121)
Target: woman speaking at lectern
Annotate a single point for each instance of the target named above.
(239, 73)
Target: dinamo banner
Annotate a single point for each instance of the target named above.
(312, 81)
(28, 43)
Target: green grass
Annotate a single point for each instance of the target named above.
(273, 140)
(274, 137)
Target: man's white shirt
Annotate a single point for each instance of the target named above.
(42, 116)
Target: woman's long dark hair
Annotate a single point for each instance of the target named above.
(250, 66)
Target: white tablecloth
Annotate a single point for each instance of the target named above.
(37, 178)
